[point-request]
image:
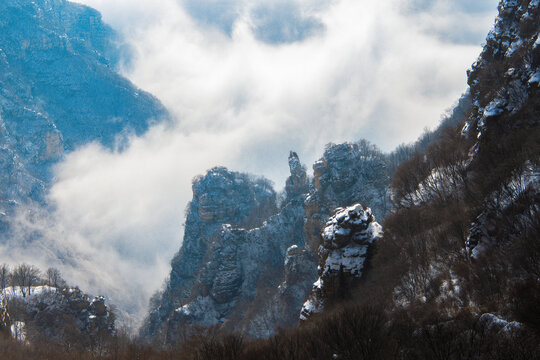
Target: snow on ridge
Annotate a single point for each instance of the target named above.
(16, 291)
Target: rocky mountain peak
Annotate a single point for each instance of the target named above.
(223, 196)
(220, 261)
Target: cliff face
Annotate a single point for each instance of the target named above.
(58, 90)
(221, 197)
(506, 74)
(243, 272)
(504, 84)
(220, 262)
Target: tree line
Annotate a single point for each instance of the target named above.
(24, 277)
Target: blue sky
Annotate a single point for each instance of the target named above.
(273, 22)
(286, 21)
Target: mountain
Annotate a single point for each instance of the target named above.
(248, 266)
(221, 266)
(464, 234)
(309, 274)
(59, 90)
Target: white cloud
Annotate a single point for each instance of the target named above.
(379, 70)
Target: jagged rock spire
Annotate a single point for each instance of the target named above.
(297, 183)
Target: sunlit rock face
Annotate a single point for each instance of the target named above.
(345, 242)
(58, 91)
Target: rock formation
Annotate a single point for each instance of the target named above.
(504, 85)
(57, 315)
(220, 262)
(297, 182)
(243, 269)
(347, 173)
(342, 255)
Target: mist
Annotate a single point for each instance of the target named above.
(245, 81)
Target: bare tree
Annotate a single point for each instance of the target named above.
(34, 277)
(25, 276)
(54, 278)
(4, 277)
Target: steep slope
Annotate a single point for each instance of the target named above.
(465, 231)
(58, 90)
(504, 82)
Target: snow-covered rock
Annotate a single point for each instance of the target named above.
(342, 255)
(483, 230)
(503, 327)
(512, 44)
(347, 173)
(47, 313)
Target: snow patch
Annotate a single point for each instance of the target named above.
(513, 47)
(18, 331)
(494, 108)
(16, 291)
(535, 78)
